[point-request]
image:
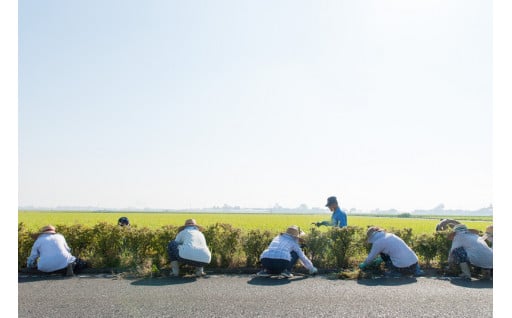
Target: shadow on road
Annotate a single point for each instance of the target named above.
(478, 283)
(29, 279)
(268, 281)
(163, 281)
(387, 281)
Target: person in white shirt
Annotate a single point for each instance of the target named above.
(468, 248)
(189, 247)
(51, 252)
(283, 253)
(397, 256)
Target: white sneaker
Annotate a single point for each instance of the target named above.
(263, 273)
(286, 273)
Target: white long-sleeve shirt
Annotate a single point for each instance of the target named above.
(53, 253)
(281, 248)
(479, 253)
(192, 245)
(401, 255)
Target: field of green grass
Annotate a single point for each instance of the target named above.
(273, 222)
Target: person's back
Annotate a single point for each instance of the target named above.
(400, 253)
(283, 253)
(193, 245)
(54, 253)
(479, 253)
(280, 247)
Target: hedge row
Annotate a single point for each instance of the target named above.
(144, 251)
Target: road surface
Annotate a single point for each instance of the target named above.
(249, 296)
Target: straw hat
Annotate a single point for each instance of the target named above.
(190, 222)
(371, 232)
(461, 228)
(294, 231)
(488, 233)
(47, 229)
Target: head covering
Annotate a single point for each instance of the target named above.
(446, 224)
(371, 232)
(190, 222)
(331, 200)
(47, 229)
(461, 228)
(123, 221)
(488, 233)
(294, 231)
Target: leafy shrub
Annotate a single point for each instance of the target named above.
(443, 246)
(144, 250)
(108, 241)
(79, 238)
(318, 248)
(225, 243)
(254, 243)
(25, 242)
(425, 247)
(405, 234)
(345, 243)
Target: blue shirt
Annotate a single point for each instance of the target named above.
(339, 218)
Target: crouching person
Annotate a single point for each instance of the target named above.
(189, 247)
(283, 253)
(399, 259)
(51, 253)
(468, 248)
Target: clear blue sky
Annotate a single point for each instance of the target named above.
(190, 104)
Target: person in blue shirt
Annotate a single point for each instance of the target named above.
(338, 218)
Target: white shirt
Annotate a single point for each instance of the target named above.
(479, 253)
(53, 253)
(192, 245)
(401, 255)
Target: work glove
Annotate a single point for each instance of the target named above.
(313, 271)
(378, 261)
(362, 265)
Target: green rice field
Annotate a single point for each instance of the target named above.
(246, 221)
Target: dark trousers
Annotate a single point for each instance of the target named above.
(403, 270)
(460, 255)
(174, 255)
(78, 265)
(277, 266)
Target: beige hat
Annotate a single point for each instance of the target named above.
(294, 231)
(371, 232)
(47, 229)
(488, 233)
(190, 222)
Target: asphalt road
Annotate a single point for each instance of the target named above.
(249, 296)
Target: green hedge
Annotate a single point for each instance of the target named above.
(144, 251)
